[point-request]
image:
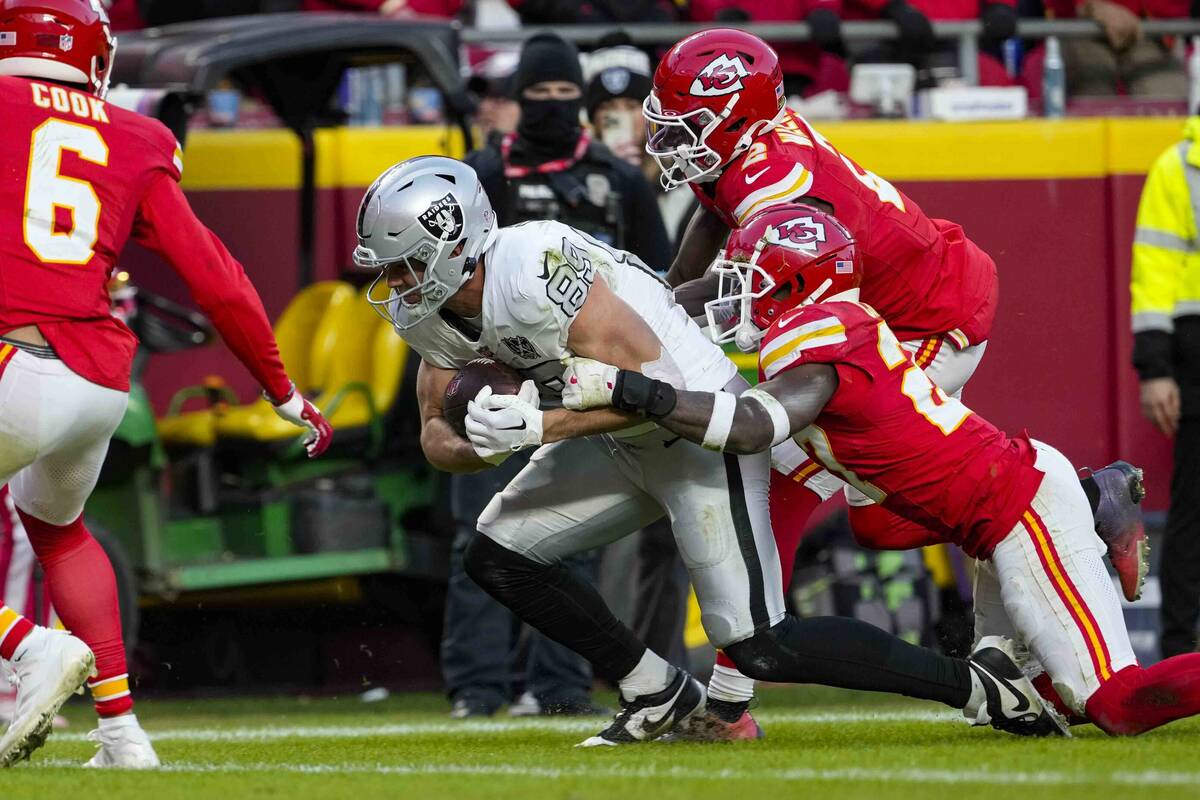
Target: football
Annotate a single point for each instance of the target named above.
(464, 386)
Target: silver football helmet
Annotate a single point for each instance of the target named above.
(431, 216)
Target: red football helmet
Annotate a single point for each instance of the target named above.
(782, 258)
(59, 40)
(713, 93)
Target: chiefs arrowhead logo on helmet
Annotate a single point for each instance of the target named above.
(801, 233)
(723, 75)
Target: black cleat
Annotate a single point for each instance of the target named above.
(1011, 703)
(649, 716)
(1119, 524)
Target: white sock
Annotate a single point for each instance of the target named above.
(977, 702)
(652, 674)
(123, 721)
(730, 685)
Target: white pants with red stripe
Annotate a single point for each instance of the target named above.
(1046, 587)
(54, 432)
(945, 364)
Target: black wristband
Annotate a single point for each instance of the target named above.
(633, 391)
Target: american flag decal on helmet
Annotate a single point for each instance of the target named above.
(843, 267)
(8, 38)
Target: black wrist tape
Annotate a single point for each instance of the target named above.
(633, 391)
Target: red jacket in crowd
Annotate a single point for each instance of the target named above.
(432, 8)
(934, 9)
(1150, 9)
(795, 58)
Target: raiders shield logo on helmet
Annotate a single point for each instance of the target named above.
(443, 219)
(801, 233)
(722, 75)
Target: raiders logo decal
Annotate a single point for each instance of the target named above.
(443, 219)
(615, 80)
(722, 75)
(801, 233)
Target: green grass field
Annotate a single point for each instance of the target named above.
(821, 744)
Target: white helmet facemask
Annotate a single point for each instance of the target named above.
(729, 317)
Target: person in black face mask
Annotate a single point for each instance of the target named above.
(552, 168)
(549, 168)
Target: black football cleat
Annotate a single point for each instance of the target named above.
(1119, 524)
(1011, 703)
(649, 716)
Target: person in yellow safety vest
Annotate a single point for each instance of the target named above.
(1165, 289)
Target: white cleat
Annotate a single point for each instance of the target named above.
(49, 666)
(123, 745)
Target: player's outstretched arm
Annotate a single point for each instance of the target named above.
(702, 240)
(443, 448)
(167, 225)
(750, 423)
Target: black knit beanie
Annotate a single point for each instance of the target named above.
(546, 57)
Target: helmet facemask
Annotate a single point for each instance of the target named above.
(406, 306)
(730, 315)
(677, 143)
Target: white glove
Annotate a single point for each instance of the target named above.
(587, 384)
(499, 425)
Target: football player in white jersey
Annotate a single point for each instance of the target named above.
(455, 286)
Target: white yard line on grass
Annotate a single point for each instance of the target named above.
(920, 776)
(575, 725)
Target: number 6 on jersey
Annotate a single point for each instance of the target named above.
(49, 194)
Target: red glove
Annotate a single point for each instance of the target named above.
(297, 410)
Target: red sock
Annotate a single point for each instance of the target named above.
(1136, 700)
(1046, 689)
(13, 629)
(84, 592)
(791, 505)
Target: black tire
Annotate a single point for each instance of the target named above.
(127, 585)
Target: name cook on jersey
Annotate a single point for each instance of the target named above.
(64, 102)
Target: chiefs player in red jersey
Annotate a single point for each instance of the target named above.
(718, 123)
(78, 178)
(837, 381)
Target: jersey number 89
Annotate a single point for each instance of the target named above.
(48, 193)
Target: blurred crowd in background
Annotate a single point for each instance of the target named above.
(1122, 62)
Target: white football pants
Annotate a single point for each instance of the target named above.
(54, 432)
(580, 494)
(1046, 587)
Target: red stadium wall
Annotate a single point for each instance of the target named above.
(1053, 202)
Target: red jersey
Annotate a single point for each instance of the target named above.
(78, 178)
(923, 275)
(892, 434)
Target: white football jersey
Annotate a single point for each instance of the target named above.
(538, 275)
